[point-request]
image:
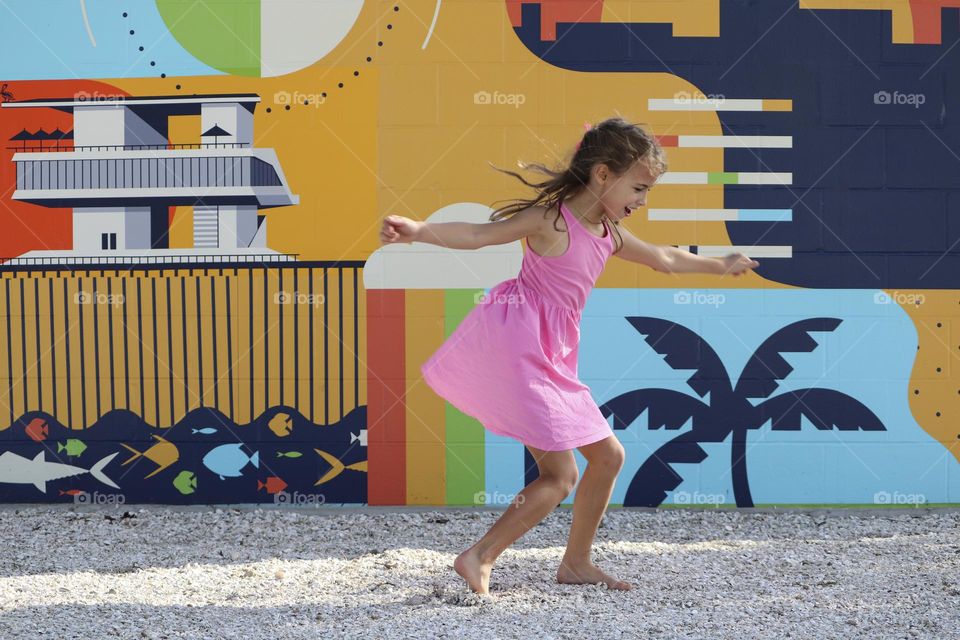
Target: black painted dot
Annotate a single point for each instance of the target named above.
(268, 109)
(286, 107)
(916, 392)
(396, 8)
(369, 58)
(163, 75)
(389, 26)
(356, 73)
(380, 43)
(178, 87)
(938, 369)
(140, 48)
(938, 414)
(132, 31)
(939, 324)
(306, 102)
(153, 63)
(323, 95)
(124, 14)
(340, 85)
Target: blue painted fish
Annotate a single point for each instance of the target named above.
(228, 460)
(207, 431)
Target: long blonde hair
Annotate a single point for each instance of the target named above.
(614, 142)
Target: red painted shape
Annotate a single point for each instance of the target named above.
(668, 141)
(554, 11)
(386, 408)
(926, 19)
(28, 226)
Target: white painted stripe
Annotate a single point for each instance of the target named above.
(739, 142)
(760, 251)
(683, 177)
(765, 178)
(705, 104)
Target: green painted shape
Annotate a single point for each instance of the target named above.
(224, 35)
(464, 435)
(722, 177)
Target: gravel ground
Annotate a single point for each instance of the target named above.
(159, 572)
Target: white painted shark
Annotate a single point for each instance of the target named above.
(38, 472)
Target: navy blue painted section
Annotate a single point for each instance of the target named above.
(874, 185)
(193, 438)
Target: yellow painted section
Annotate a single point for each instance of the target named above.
(424, 423)
(900, 10)
(778, 105)
(935, 380)
(689, 17)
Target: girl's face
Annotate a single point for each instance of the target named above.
(621, 194)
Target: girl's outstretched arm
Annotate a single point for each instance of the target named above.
(673, 260)
(462, 235)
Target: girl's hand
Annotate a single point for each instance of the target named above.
(399, 229)
(737, 263)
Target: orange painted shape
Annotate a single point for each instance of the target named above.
(926, 19)
(556, 11)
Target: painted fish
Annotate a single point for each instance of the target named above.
(228, 460)
(163, 453)
(207, 431)
(362, 437)
(337, 467)
(16, 469)
(72, 446)
(281, 424)
(185, 482)
(273, 485)
(289, 454)
(37, 430)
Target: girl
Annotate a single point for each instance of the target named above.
(512, 362)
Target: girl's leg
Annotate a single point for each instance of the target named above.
(558, 476)
(604, 460)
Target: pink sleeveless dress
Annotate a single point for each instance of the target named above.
(512, 362)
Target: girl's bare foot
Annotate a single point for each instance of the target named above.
(588, 573)
(472, 569)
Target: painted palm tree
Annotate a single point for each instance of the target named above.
(723, 409)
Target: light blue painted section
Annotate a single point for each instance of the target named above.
(503, 468)
(764, 215)
(869, 357)
(47, 39)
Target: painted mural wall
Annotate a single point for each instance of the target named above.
(194, 306)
